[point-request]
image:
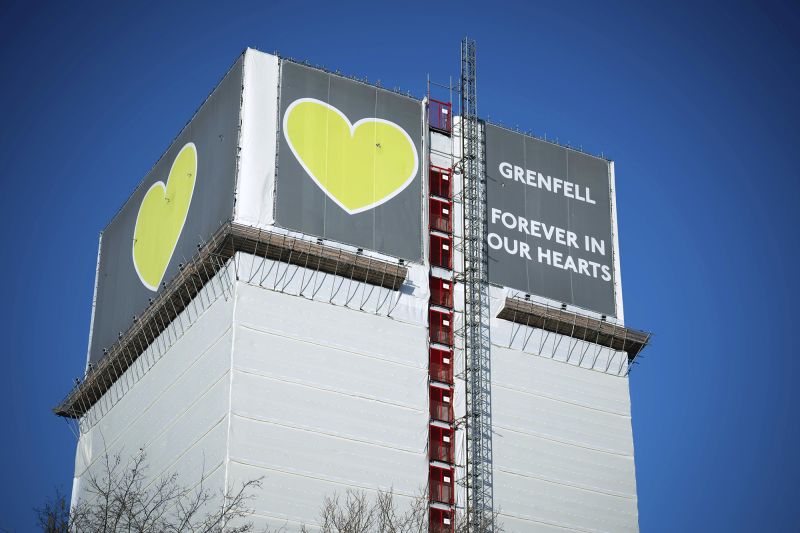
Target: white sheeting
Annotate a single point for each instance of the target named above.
(551, 345)
(408, 304)
(563, 463)
(615, 230)
(550, 503)
(562, 445)
(335, 289)
(324, 398)
(255, 188)
(560, 421)
(311, 453)
(517, 525)
(288, 499)
(345, 371)
(522, 372)
(176, 409)
(327, 395)
(441, 148)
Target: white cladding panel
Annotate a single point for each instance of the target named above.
(324, 398)
(176, 409)
(562, 446)
(255, 186)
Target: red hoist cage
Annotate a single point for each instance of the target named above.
(441, 483)
(441, 292)
(442, 446)
(441, 327)
(441, 365)
(441, 215)
(441, 403)
(440, 116)
(442, 251)
(442, 520)
(441, 432)
(441, 183)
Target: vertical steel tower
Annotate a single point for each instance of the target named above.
(476, 304)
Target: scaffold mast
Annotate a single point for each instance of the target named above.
(476, 304)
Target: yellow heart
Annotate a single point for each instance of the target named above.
(359, 166)
(161, 217)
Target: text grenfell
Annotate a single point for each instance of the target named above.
(536, 179)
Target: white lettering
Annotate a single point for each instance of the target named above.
(548, 183)
(598, 247)
(535, 226)
(533, 178)
(546, 232)
(505, 170)
(511, 250)
(583, 266)
(523, 225)
(542, 255)
(569, 264)
(509, 220)
(572, 239)
(524, 248)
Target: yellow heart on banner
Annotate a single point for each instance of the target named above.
(359, 166)
(161, 217)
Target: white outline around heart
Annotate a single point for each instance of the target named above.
(353, 127)
(185, 216)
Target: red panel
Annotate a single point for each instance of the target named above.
(441, 485)
(440, 115)
(441, 404)
(441, 521)
(441, 326)
(441, 182)
(440, 215)
(441, 252)
(440, 365)
(441, 446)
(441, 292)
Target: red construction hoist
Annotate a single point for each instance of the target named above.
(441, 433)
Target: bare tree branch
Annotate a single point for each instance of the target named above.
(122, 498)
(355, 513)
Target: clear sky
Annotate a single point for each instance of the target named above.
(696, 103)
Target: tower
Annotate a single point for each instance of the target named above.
(291, 293)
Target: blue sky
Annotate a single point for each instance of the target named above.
(697, 104)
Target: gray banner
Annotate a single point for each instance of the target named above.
(549, 212)
(161, 224)
(326, 163)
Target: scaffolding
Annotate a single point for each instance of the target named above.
(201, 281)
(587, 338)
(480, 512)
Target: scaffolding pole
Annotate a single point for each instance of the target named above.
(480, 512)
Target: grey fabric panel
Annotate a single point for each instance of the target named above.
(393, 228)
(553, 209)
(214, 131)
